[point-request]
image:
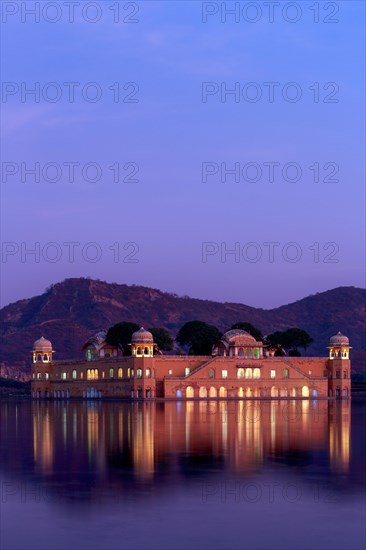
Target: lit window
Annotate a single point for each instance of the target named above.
(39, 376)
(120, 373)
(256, 353)
(273, 374)
(139, 373)
(211, 373)
(285, 373)
(256, 373)
(310, 371)
(46, 376)
(224, 373)
(74, 374)
(148, 372)
(248, 373)
(187, 371)
(64, 375)
(170, 371)
(111, 373)
(33, 375)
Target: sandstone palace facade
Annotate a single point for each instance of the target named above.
(238, 368)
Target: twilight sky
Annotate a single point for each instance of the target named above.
(157, 120)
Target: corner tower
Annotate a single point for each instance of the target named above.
(42, 351)
(339, 367)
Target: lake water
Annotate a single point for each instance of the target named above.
(183, 475)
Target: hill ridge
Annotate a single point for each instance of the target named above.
(75, 308)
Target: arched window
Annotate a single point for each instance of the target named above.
(285, 373)
(256, 373)
(128, 373)
(189, 392)
(202, 392)
(249, 352)
(74, 374)
(211, 373)
(240, 373)
(139, 351)
(222, 392)
(257, 353)
(96, 374)
(146, 351)
(139, 373)
(212, 392)
(120, 373)
(305, 391)
(248, 373)
(241, 352)
(148, 373)
(111, 373)
(179, 393)
(39, 357)
(45, 358)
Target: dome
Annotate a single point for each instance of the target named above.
(142, 336)
(42, 345)
(97, 339)
(239, 337)
(339, 340)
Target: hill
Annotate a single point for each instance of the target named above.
(70, 311)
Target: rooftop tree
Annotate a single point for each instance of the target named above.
(199, 336)
(121, 334)
(162, 338)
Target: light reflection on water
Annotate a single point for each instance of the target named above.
(210, 474)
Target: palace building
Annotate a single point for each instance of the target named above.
(239, 368)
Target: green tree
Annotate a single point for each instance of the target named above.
(276, 341)
(199, 336)
(298, 338)
(162, 338)
(248, 327)
(290, 340)
(121, 334)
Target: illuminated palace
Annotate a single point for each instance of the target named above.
(239, 367)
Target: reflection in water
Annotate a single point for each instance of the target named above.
(213, 474)
(138, 437)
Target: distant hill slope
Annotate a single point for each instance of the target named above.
(69, 312)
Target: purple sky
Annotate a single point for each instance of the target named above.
(168, 133)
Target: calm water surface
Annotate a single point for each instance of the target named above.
(182, 475)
